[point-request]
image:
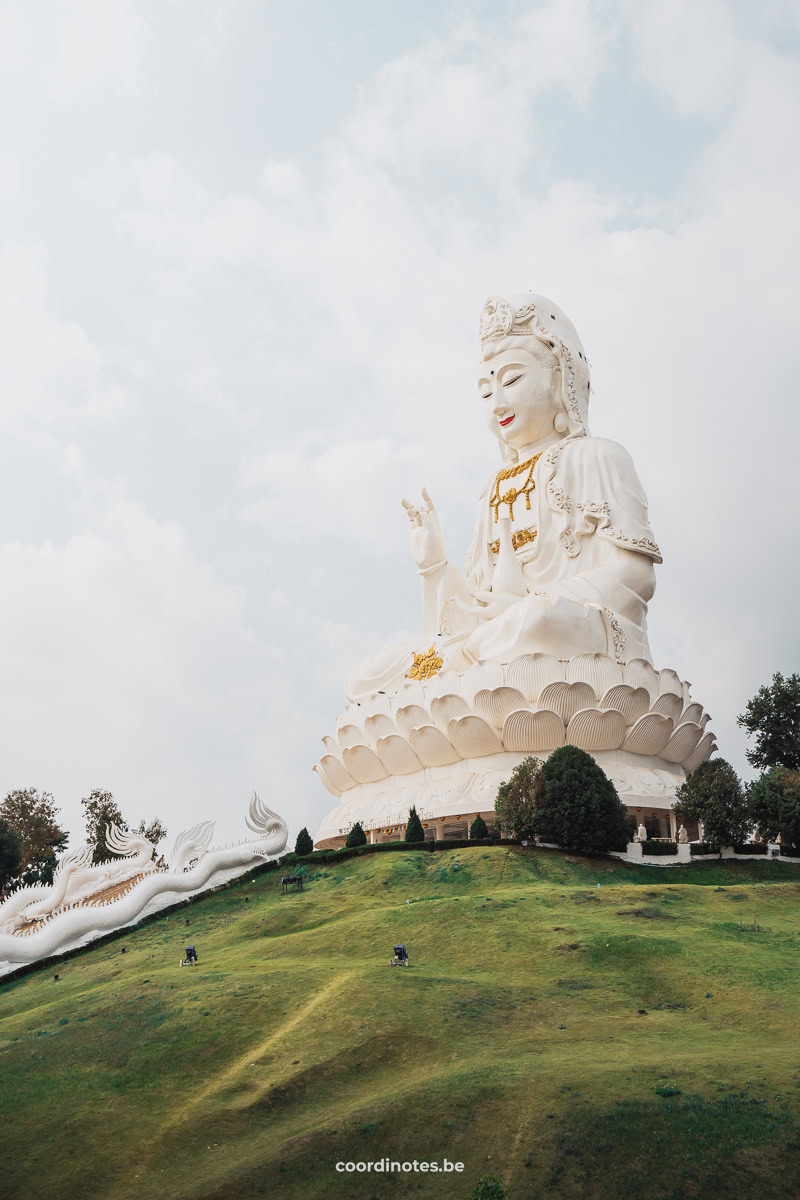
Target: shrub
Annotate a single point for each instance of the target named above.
(714, 795)
(517, 799)
(790, 851)
(304, 843)
(356, 837)
(579, 808)
(478, 829)
(414, 830)
(773, 718)
(704, 848)
(751, 848)
(488, 1188)
(775, 805)
(656, 848)
(10, 853)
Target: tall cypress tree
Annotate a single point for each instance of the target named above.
(478, 829)
(356, 836)
(414, 830)
(304, 843)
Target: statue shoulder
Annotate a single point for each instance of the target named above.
(585, 451)
(589, 462)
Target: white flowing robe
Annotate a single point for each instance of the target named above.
(588, 572)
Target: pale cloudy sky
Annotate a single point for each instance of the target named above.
(244, 247)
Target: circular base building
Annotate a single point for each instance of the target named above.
(445, 744)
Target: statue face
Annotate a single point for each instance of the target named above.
(521, 397)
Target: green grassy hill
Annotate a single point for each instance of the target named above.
(515, 1043)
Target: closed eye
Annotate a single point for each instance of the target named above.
(486, 395)
(513, 379)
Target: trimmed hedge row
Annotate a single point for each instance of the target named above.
(656, 848)
(395, 847)
(751, 848)
(704, 848)
(791, 851)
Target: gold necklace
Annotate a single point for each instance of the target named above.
(511, 496)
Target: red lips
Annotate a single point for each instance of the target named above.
(508, 420)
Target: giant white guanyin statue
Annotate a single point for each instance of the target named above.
(544, 636)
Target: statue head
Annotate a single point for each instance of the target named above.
(534, 375)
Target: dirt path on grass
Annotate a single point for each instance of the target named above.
(232, 1073)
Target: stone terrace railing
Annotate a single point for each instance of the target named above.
(635, 853)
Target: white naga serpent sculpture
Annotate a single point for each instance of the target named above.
(38, 921)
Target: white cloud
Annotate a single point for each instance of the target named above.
(74, 47)
(302, 331)
(129, 664)
(49, 369)
(694, 52)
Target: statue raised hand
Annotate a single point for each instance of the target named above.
(425, 538)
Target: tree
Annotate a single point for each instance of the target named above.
(40, 871)
(580, 808)
(775, 805)
(714, 795)
(773, 718)
(10, 854)
(33, 816)
(478, 829)
(154, 832)
(100, 810)
(488, 1188)
(517, 799)
(304, 844)
(414, 830)
(356, 836)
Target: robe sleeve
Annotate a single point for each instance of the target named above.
(597, 491)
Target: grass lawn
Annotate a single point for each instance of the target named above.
(576, 1042)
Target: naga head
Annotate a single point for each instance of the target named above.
(191, 844)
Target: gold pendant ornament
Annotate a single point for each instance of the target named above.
(425, 665)
(510, 497)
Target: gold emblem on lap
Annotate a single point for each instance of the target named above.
(425, 665)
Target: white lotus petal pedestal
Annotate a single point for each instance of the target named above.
(450, 770)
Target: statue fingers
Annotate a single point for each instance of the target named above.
(413, 513)
(428, 502)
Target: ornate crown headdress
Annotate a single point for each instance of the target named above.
(499, 319)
